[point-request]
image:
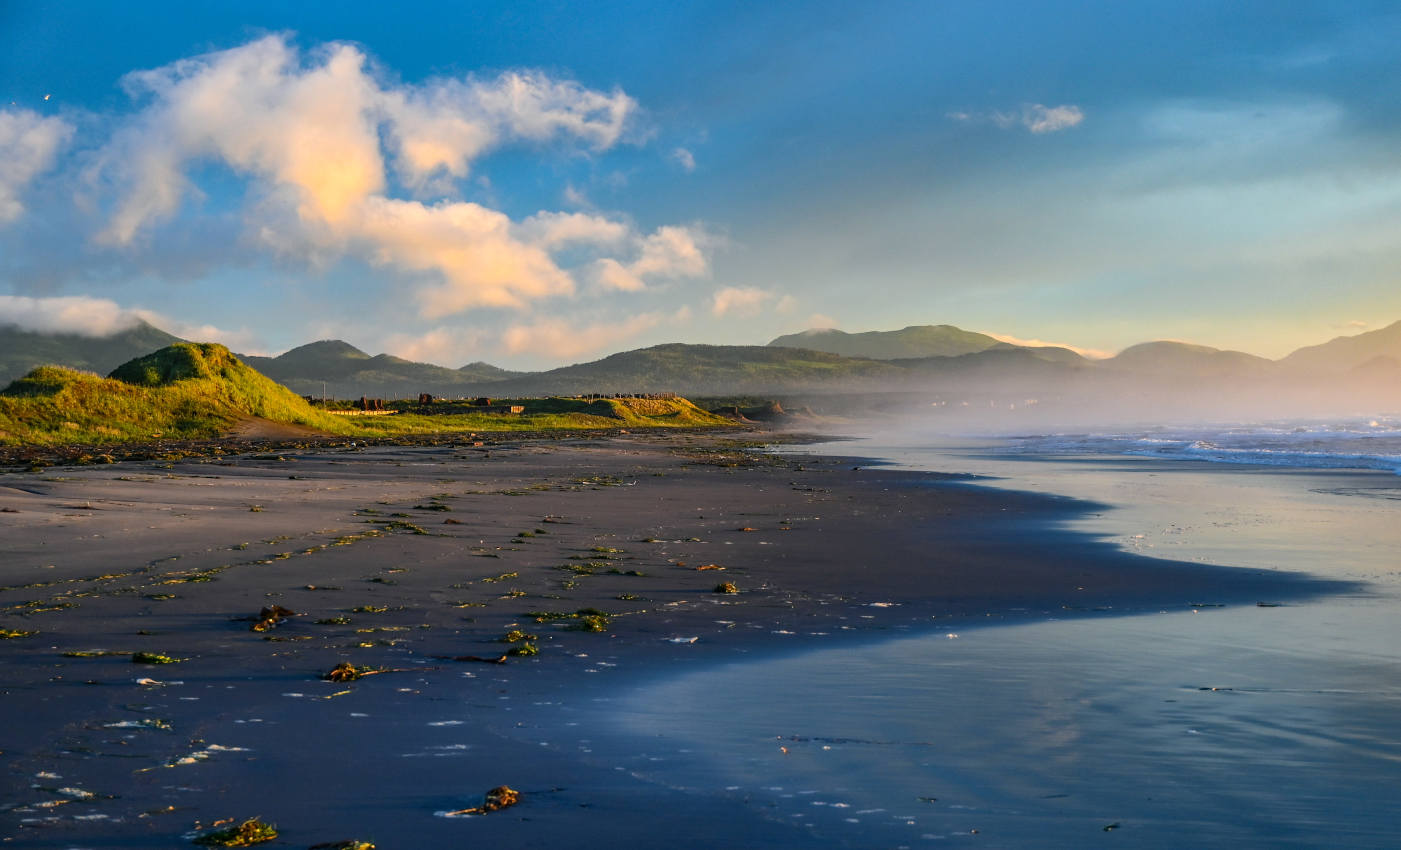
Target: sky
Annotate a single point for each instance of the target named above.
(532, 184)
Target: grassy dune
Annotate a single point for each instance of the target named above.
(201, 390)
(184, 391)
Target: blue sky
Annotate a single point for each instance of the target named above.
(541, 183)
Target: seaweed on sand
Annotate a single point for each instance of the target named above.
(583, 620)
(246, 834)
(153, 658)
(498, 798)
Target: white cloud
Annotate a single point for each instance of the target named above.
(1034, 117)
(561, 338)
(685, 159)
(672, 251)
(1051, 119)
(739, 300)
(472, 249)
(552, 230)
(445, 124)
(243, 340)
(821, 321)
(669, 252)
(71, 314)
(29, 143)
(318, 136)
(84, 315)
(451, 347)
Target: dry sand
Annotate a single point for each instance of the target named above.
(444, 549)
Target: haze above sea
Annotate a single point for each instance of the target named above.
(1197, 725)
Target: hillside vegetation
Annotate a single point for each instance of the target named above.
(184, 391)
(703, 370)
(192, 391)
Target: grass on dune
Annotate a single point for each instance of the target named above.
(185, 391)
(201, 390)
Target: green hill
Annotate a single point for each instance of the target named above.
(703, 370)
(913, 341)
(183, 391)
(22, 350)
(1186, 360)
(348, 372)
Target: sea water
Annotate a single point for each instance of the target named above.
(1244, 726)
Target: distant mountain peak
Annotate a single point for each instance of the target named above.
(325, 348)
(1345, 353)
(908, 342)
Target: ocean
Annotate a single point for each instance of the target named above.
(1365, 442)
(1246, 726)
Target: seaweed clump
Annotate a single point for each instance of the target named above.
(498, 798)
(583, 620)
(246, 834)
(726, 587)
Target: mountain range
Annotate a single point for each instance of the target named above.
(822, 360)
(341, 370)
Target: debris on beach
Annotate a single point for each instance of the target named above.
(726, 587)
(270, 616)
(246, 834)
(704, 567)
(498, 798)
(343, 845)
(10, 634)
(682, 639)
(1269, 604)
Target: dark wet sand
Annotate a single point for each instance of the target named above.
(176, 557)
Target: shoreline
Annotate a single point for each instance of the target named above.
(834, 556)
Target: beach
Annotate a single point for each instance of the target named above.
(415, 562)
